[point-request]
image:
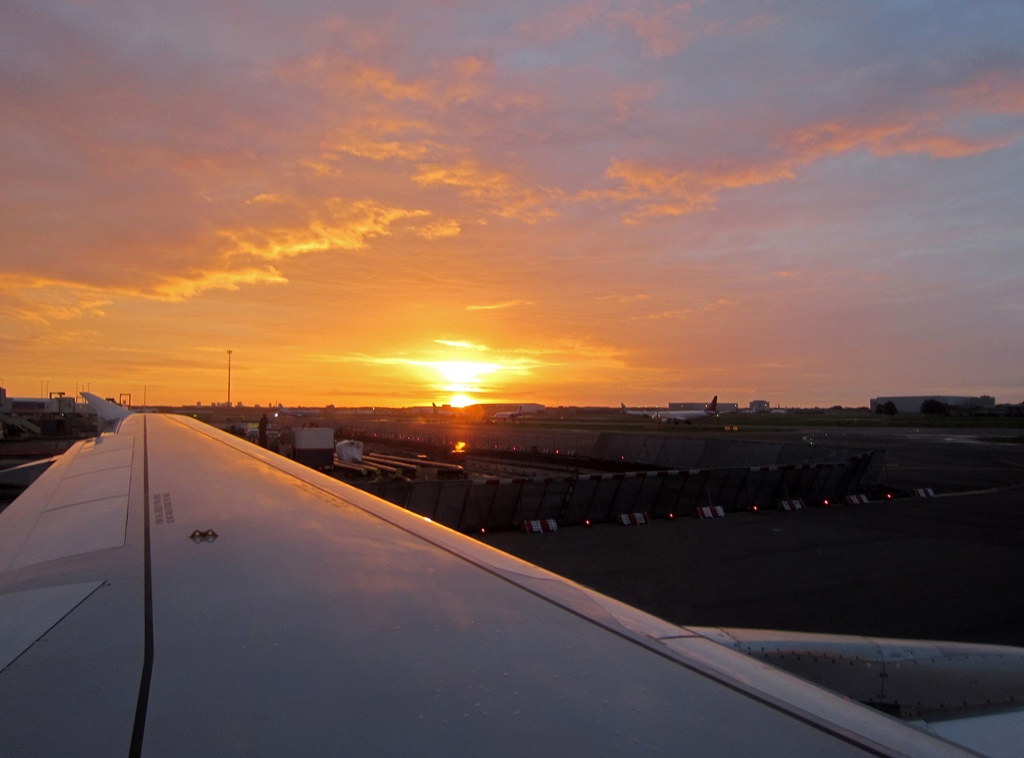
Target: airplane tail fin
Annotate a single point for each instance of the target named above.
(713, 408)
(109, 414)
(623, 407)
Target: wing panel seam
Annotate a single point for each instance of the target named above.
(142, 705)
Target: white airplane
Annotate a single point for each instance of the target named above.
(675, 416)
(509, 415)
(626, 411)
(294, 412)
(687, 416)
(170, 589)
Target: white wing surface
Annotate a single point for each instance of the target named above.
(174, 590)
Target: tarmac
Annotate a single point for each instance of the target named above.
(949, 567)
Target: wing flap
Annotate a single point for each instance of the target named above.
(74, 530)
(27, 615)
(79, 505)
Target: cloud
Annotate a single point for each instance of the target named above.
(821, 140)
(998, 91)
(499, 306)
(264, 197)
(663, 31)
(177, 288)
(437, 87)
(461, 344)
(661, 316)
(363, 146)
(563, 23)
(340, 226)
(46, 301)
(345, 77)
(660, 192)
(561, 350)
(624, 299)
(494, 189)
(440, 229)
(43, 302)
(941, 131)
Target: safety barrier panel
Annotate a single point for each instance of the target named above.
(628, 519)
(709, 511)
(536, 526)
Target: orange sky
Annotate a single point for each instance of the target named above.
(565, 203)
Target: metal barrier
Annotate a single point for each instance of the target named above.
(494, 504)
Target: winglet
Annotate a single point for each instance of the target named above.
(109, 414)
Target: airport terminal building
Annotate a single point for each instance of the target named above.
(47, 416)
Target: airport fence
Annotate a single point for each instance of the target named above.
(694, 472)
(495, 504)
(667, 451)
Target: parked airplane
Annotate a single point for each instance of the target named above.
(509, 415)
(170, 589)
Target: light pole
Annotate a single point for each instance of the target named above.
(229, 377)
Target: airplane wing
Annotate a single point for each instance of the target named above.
(170, 589)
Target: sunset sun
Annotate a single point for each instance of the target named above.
(462, 379)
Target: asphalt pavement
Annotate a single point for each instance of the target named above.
(948, 567)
